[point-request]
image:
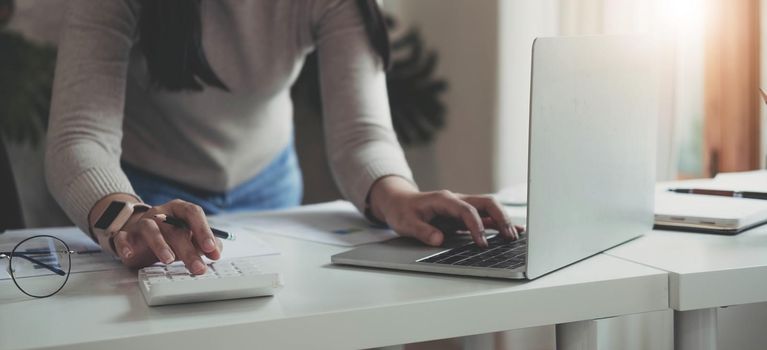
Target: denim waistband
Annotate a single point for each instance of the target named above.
(278, 185)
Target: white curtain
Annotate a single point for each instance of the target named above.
(676, 24)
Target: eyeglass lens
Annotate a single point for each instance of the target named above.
(40, 265)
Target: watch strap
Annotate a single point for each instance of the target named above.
(114, 218)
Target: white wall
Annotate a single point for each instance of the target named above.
(485, 48)
(520, 22)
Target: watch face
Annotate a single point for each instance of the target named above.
(109, 215)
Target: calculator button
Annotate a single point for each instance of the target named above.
(181, 277)
(152, 270)
(177, 270)
(157, 279)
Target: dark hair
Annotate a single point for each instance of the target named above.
(170, 36)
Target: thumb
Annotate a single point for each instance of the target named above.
(122, 247)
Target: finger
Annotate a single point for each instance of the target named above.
(194, 216)
(185, 249)
(154, 239)
(447, 203)
(515, 229)
(220, 246)
(418, 229)
(142, 255)
(123, 246)
(491, 206)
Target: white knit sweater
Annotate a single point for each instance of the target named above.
(104, 111)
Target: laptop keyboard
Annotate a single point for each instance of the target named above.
(501, 254)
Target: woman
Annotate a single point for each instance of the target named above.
(185, 105)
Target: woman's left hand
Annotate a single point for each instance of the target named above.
(410, 212)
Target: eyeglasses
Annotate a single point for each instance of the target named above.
(39, 265)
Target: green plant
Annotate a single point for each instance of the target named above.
(414, 92)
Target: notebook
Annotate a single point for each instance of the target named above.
(712, 214)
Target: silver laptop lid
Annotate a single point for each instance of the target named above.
(594, 102)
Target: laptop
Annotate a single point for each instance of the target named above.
(591, 166)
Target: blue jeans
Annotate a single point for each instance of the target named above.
(278, 185)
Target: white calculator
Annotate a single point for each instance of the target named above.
(225, 279)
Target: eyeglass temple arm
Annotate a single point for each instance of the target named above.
(53, 269)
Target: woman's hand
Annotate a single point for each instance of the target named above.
(410, 212)
(146, 240)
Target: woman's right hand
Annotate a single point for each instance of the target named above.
(146, 240)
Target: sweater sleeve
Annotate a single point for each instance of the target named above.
(361, 144)
(82, 160)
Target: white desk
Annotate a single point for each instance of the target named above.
(705, 272)
(324, 306)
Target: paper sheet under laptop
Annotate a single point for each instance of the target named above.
(713, 212)
(337, 223)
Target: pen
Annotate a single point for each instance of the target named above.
(178, 223)
(737, 194)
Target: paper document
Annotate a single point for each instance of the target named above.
(337, 223)
(246, 243)
(91, 258)
(754, 181)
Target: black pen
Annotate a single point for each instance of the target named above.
(178, 223)
(725, 193)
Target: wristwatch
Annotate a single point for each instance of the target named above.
(113, 219)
